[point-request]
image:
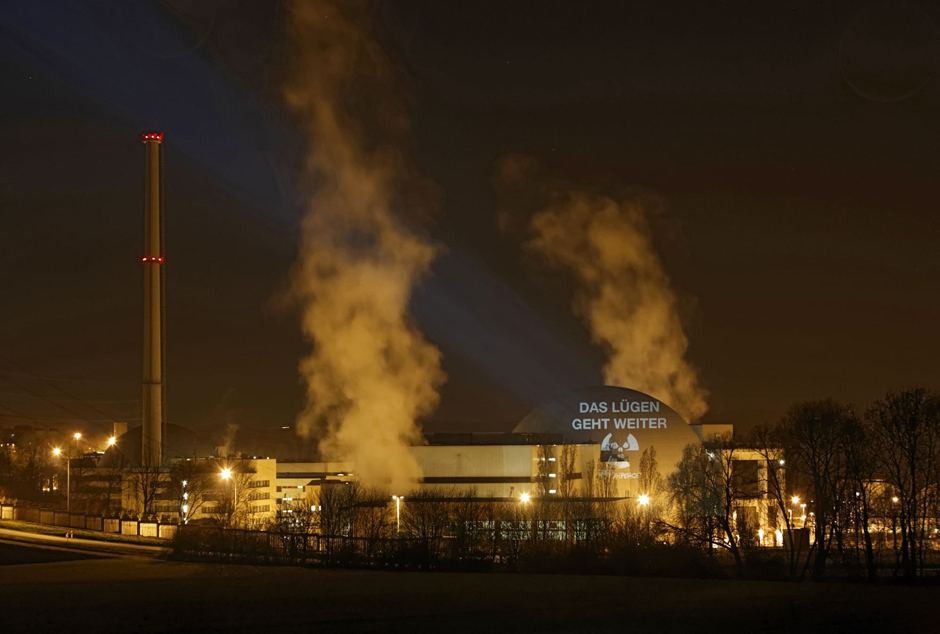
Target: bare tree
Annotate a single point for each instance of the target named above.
(425, 517)
(189, 483)
(905, 427)
(767, 442)
(585, 514)
(113, 474)
(566, 486)
(468, 515)
(862, 468)
(373, 519)
(704, 498)
(145, 484)
(229, 496)
(653, 487)
(815, 435)
(30, 468)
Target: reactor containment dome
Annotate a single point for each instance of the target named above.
(622, 421)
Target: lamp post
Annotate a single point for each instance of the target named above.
(795, 500)
(524, 499)
(68, 478)
(77, 436)
(643, 500)
(398, 499)
(227, 474)
(68, 470)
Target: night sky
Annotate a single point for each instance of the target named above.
(795, 147)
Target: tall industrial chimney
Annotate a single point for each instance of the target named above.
(153, 422)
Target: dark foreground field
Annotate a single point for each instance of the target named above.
(139, 594)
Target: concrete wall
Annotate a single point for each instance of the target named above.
(51, 517)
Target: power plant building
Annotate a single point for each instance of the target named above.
(585, 444)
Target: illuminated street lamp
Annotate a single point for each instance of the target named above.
(77, 435)
(226, 474)
(398, 499)
(68, 478)
(795, 500)
(643, 500)
(112, 441)
(524, 498)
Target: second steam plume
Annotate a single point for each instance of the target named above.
(622, 292)
(370, 374)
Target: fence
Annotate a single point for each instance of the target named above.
(478, 550)
(201, 542)
(52, 517)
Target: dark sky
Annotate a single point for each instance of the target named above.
(795, 146)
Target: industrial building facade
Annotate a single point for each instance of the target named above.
(585, 445)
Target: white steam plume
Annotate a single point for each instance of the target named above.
(623, 292)
(370, 374)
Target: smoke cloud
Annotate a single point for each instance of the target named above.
(226, 444)
(370, 374)
(622, 291)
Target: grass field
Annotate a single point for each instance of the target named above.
(150, 595)
(16, 554)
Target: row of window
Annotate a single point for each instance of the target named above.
(255, 484)
(214, 510)
(260, 495)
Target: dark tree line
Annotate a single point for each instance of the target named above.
(868, 475)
